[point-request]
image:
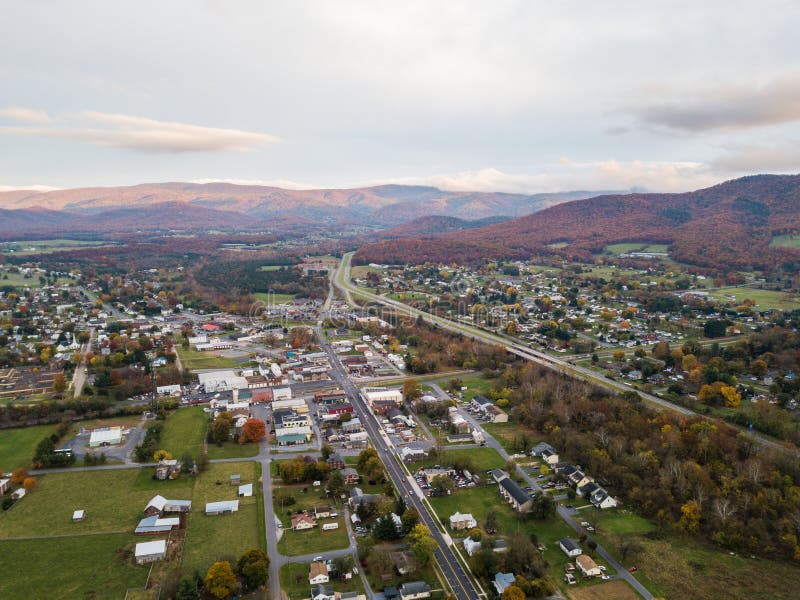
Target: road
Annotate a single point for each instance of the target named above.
(454, 573)
(79, 377)
(343, 282)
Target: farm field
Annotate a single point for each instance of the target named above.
(18, 445)
(272, 298)
(785, 241)
(611, 590)
(765, 299)
(184, 431)
(97, 567)
(20, 281)
(26, 248)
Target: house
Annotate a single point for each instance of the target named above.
(391, 593)
(412, 590)
(335, 461)
(245, 491)
(471, 546)
(155, 506)
(166, 469)
(350, 476)
(322, 592)
(430, 473)
(413, 451)
(541, 447)
(462, 521)
(502, 581)
(236, 479)
(358, 497)
(496, 414)
(318, 573)
(302, 522)
(352, 426)
(570, 547)
(550, 457)
(500, 546)
(515, 495)
(322, 512)
(222, 508)
(404, 562)
(4, 483)
(177, 506)
(155, 525)
(147, 552)
(601, 499)
(78, 515)
(587, 566)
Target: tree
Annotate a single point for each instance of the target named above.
(364, 456)
(715, 328)
(19, 475)
(512, 592)
(422, 544)
(59, 383)
(29, 483)
(220, 580)
(385, 528)
(543, 507)
(336, 483)
(442, 485)
(411, 390)
(253, 567)
(373, 469)
(409, 518)
(326, 451)
(253, 430)
(491, 520)
(162, 455)
(220, 430)
(690, 516)
(187, 590)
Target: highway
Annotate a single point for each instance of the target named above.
(453, 571)
(342, 281)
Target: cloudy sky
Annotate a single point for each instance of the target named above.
(511, 96)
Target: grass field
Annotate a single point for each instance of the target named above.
(475, 386)
(611, 590)
(184, 431)
(506, 433)
(785, 241)
(232, 450)
(20, 281)
(271, 298)
(765, 299)
(69, 567)
(18, 445)
(48, 246)
(482, 458)
(191, 359)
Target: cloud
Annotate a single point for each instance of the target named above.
(144, 134)
(30, 188)
(777, 157)
(568, 175)
(723, 107)
(28, 115)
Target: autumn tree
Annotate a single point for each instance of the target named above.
(220, 580)
(19, 475)
(162, 455)
(59, 383)
(29, 483)
(253, 430)
(220, 430)
(512, 592)
(411, 390)
(422, 544)
(253, 567)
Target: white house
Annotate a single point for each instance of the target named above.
(147, 552)
(471, 546)
(462, 521)
(570, 547)
(587, 566)
(318, 573)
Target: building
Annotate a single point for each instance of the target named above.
(413, 451)
(322, 512)
(105, 436)
(246, 490)
(462, 521)
(322, 592)
(431, 472)
(471, 546)
(587, 566)
(413, 590)
(318, 573)
(515, 495)
(384, 395)
(147, 552)
(78, 516)
(225, 507)
(4, 483)
(302, 522)
(570, 547)
(335, 461)
(502, 581)
(156, 525)
(18, 494)
(350, 475)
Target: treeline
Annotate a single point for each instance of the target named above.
(688, 474)
(250, 278)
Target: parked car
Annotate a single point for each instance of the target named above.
(632, 569)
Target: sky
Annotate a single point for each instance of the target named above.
(492, 96)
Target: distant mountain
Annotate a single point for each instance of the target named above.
(436, 224)
(385, 205)
(730, 225)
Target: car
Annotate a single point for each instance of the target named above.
(590, 528)
(569, 506)
(491, 531)
(605, 577)
(585, 523)
(632, 569)
(319, 558)
(540, 476)
(602, 568)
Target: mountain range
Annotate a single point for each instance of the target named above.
(730, 225)
(231, 207)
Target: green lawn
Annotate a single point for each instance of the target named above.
(20, 281)
(764, 299)
(232, 450)
(191, 359)
(785, 241)
(271, 298)
(184, 431)
(297, 543)
(483, 459)
(475, 386)
(507, 433)
(69, 567)
(18, 445)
